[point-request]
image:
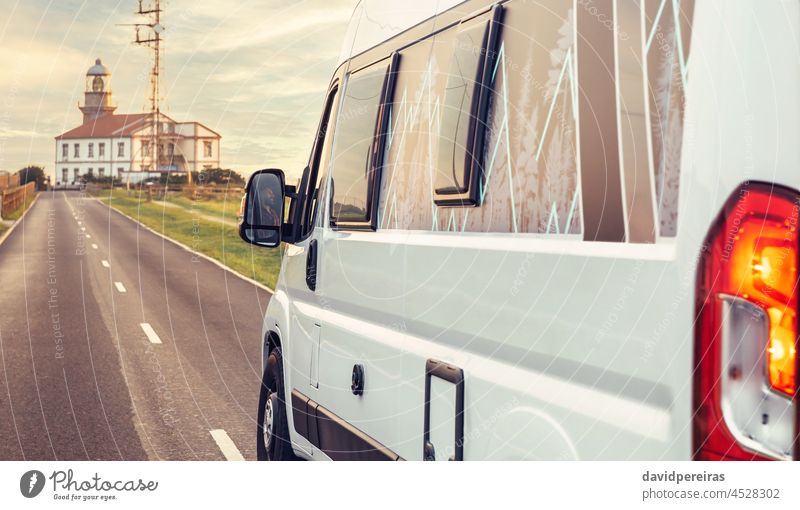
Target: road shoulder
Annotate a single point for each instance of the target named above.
(187, 248)
(13, 226)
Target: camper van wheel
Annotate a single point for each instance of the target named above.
(272, 438)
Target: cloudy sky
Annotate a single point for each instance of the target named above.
(254, 70)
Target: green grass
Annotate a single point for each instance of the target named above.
(227, 206)
(188, 226)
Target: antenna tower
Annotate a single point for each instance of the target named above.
(149, 34)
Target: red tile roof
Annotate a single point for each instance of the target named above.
(108, 126)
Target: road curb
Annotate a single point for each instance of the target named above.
(190, 250)
(12, 227)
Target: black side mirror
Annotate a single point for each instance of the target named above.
(261, 213)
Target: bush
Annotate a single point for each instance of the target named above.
(220, 176)
(32, 173)
(212, 176)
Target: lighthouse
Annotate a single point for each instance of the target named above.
(97, 95)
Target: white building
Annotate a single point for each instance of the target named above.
(120, 145)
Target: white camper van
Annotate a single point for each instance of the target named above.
(541, 229)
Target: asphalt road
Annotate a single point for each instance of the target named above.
(85, 294)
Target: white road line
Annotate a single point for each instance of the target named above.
(105, 263)
(190, 250)
(225, 444)
(150, 332)
(94, 246)
(120, 287)
(88, 236)
(83, 229)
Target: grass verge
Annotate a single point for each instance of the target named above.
(17, 214)
(190, 225)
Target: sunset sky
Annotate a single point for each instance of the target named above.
(253, 70)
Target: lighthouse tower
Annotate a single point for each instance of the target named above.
(97, 96)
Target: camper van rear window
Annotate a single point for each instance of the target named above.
(459, 163)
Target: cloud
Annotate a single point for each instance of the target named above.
(249, 25)
(255, 71)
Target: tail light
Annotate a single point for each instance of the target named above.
(747, 334)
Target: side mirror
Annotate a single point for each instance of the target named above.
(261, 213)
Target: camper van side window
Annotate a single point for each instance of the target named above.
(354, 164)
(459, 163)
(320, 161)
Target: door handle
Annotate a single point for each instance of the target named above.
(455, 376)
(357, 380)
(311, 265)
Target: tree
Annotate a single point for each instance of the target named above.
(32, 173)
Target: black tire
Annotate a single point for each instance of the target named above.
(277, 446)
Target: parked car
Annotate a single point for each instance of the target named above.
(541, 230)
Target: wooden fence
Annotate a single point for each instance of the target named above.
(14, 198)
(9, 181)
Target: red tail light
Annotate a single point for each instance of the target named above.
(746, 335)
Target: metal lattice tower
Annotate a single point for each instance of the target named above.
(152, 39)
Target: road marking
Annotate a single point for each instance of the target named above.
(225, 444)
(105, 263)
(94, 246)
(83, 229)
(150, 332)
(190, 250)
(88, 236)
(120, 287)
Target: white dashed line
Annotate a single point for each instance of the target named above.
(88, 236)
(120, 287)
(225, 444)
(105, 263)
(150, 332)
(94, 246)
(83, 229)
